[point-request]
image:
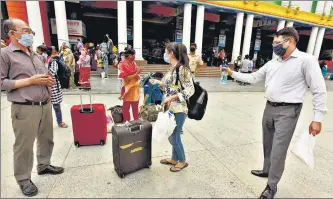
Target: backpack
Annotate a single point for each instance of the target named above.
(64, 72)
(117, 114)
(198, 101)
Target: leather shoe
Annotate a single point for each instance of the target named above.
(268, 193)
(28, 188)
(53, 170)
(259, 173)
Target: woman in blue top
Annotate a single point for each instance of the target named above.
(153, 93)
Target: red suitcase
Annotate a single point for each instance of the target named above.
(89, 124)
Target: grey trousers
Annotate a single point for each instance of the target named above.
(278, 126)
(29, 123)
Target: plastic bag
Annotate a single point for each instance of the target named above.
(109, 121)
(304, 148)
(164, 126)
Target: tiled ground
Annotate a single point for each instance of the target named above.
(221, 150)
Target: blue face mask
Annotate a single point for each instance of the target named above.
(166, 59)
(44, 55)
(26, 40)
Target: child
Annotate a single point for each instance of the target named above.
(84, 66)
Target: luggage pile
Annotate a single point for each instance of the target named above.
(131, 141)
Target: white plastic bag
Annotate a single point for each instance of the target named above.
(304, 148)
(109, 121)
(164, 126)
(103, 74)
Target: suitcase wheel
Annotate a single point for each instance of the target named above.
(77, 144)
(102, 142)
(121, 175)
(149, 165)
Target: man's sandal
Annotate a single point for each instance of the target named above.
(176, 168)
(167, 162)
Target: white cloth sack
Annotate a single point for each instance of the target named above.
(304, 148)
(164, 126)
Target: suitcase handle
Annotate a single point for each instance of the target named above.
(84, 110)
(133, 127)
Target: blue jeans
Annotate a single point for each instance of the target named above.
(57, 110)
(178, 152)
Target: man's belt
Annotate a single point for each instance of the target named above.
(283, 103)
(32, 103)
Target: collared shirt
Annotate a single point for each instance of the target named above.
(195, 61)
(16, 65)
(287, 80)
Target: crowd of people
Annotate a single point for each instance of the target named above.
(33, 88)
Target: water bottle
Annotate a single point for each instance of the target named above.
(224, 77)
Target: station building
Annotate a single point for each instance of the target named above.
(239, 27)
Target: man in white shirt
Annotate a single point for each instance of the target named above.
(246, 64)
(287, 78)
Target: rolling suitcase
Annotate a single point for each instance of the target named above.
(89, 123)
(131, 146)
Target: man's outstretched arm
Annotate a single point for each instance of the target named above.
(249, 78)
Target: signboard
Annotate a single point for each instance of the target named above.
(129, 33)
(222, 39)
(257, 44)
(75, 27)
(178, 36)
(179, 23)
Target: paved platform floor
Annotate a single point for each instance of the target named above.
(211, 84)
(221, 150)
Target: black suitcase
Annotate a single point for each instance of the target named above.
(131, 146)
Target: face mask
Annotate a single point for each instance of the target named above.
(279, 50)
(26, 40)
(166, 59)
(192, 49)
(44, 55)
(132, 58)
(122, 58)
(66, 53)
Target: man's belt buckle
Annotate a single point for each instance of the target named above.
(37, 103)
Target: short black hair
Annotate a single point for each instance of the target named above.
(288, 31)
(129, 51)
(247, 56)
(42, 48)
(8, 25)
(194, 44)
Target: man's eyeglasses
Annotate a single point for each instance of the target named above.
(26, 30)
(278, 43)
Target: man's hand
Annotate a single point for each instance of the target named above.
(41, 79)
(226, 69)
(315, 128)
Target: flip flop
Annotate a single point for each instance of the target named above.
(166, 162)
(177, 169)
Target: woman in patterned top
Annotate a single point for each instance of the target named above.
(177, 92)
(57, 96)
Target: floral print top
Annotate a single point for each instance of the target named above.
(185, 80)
